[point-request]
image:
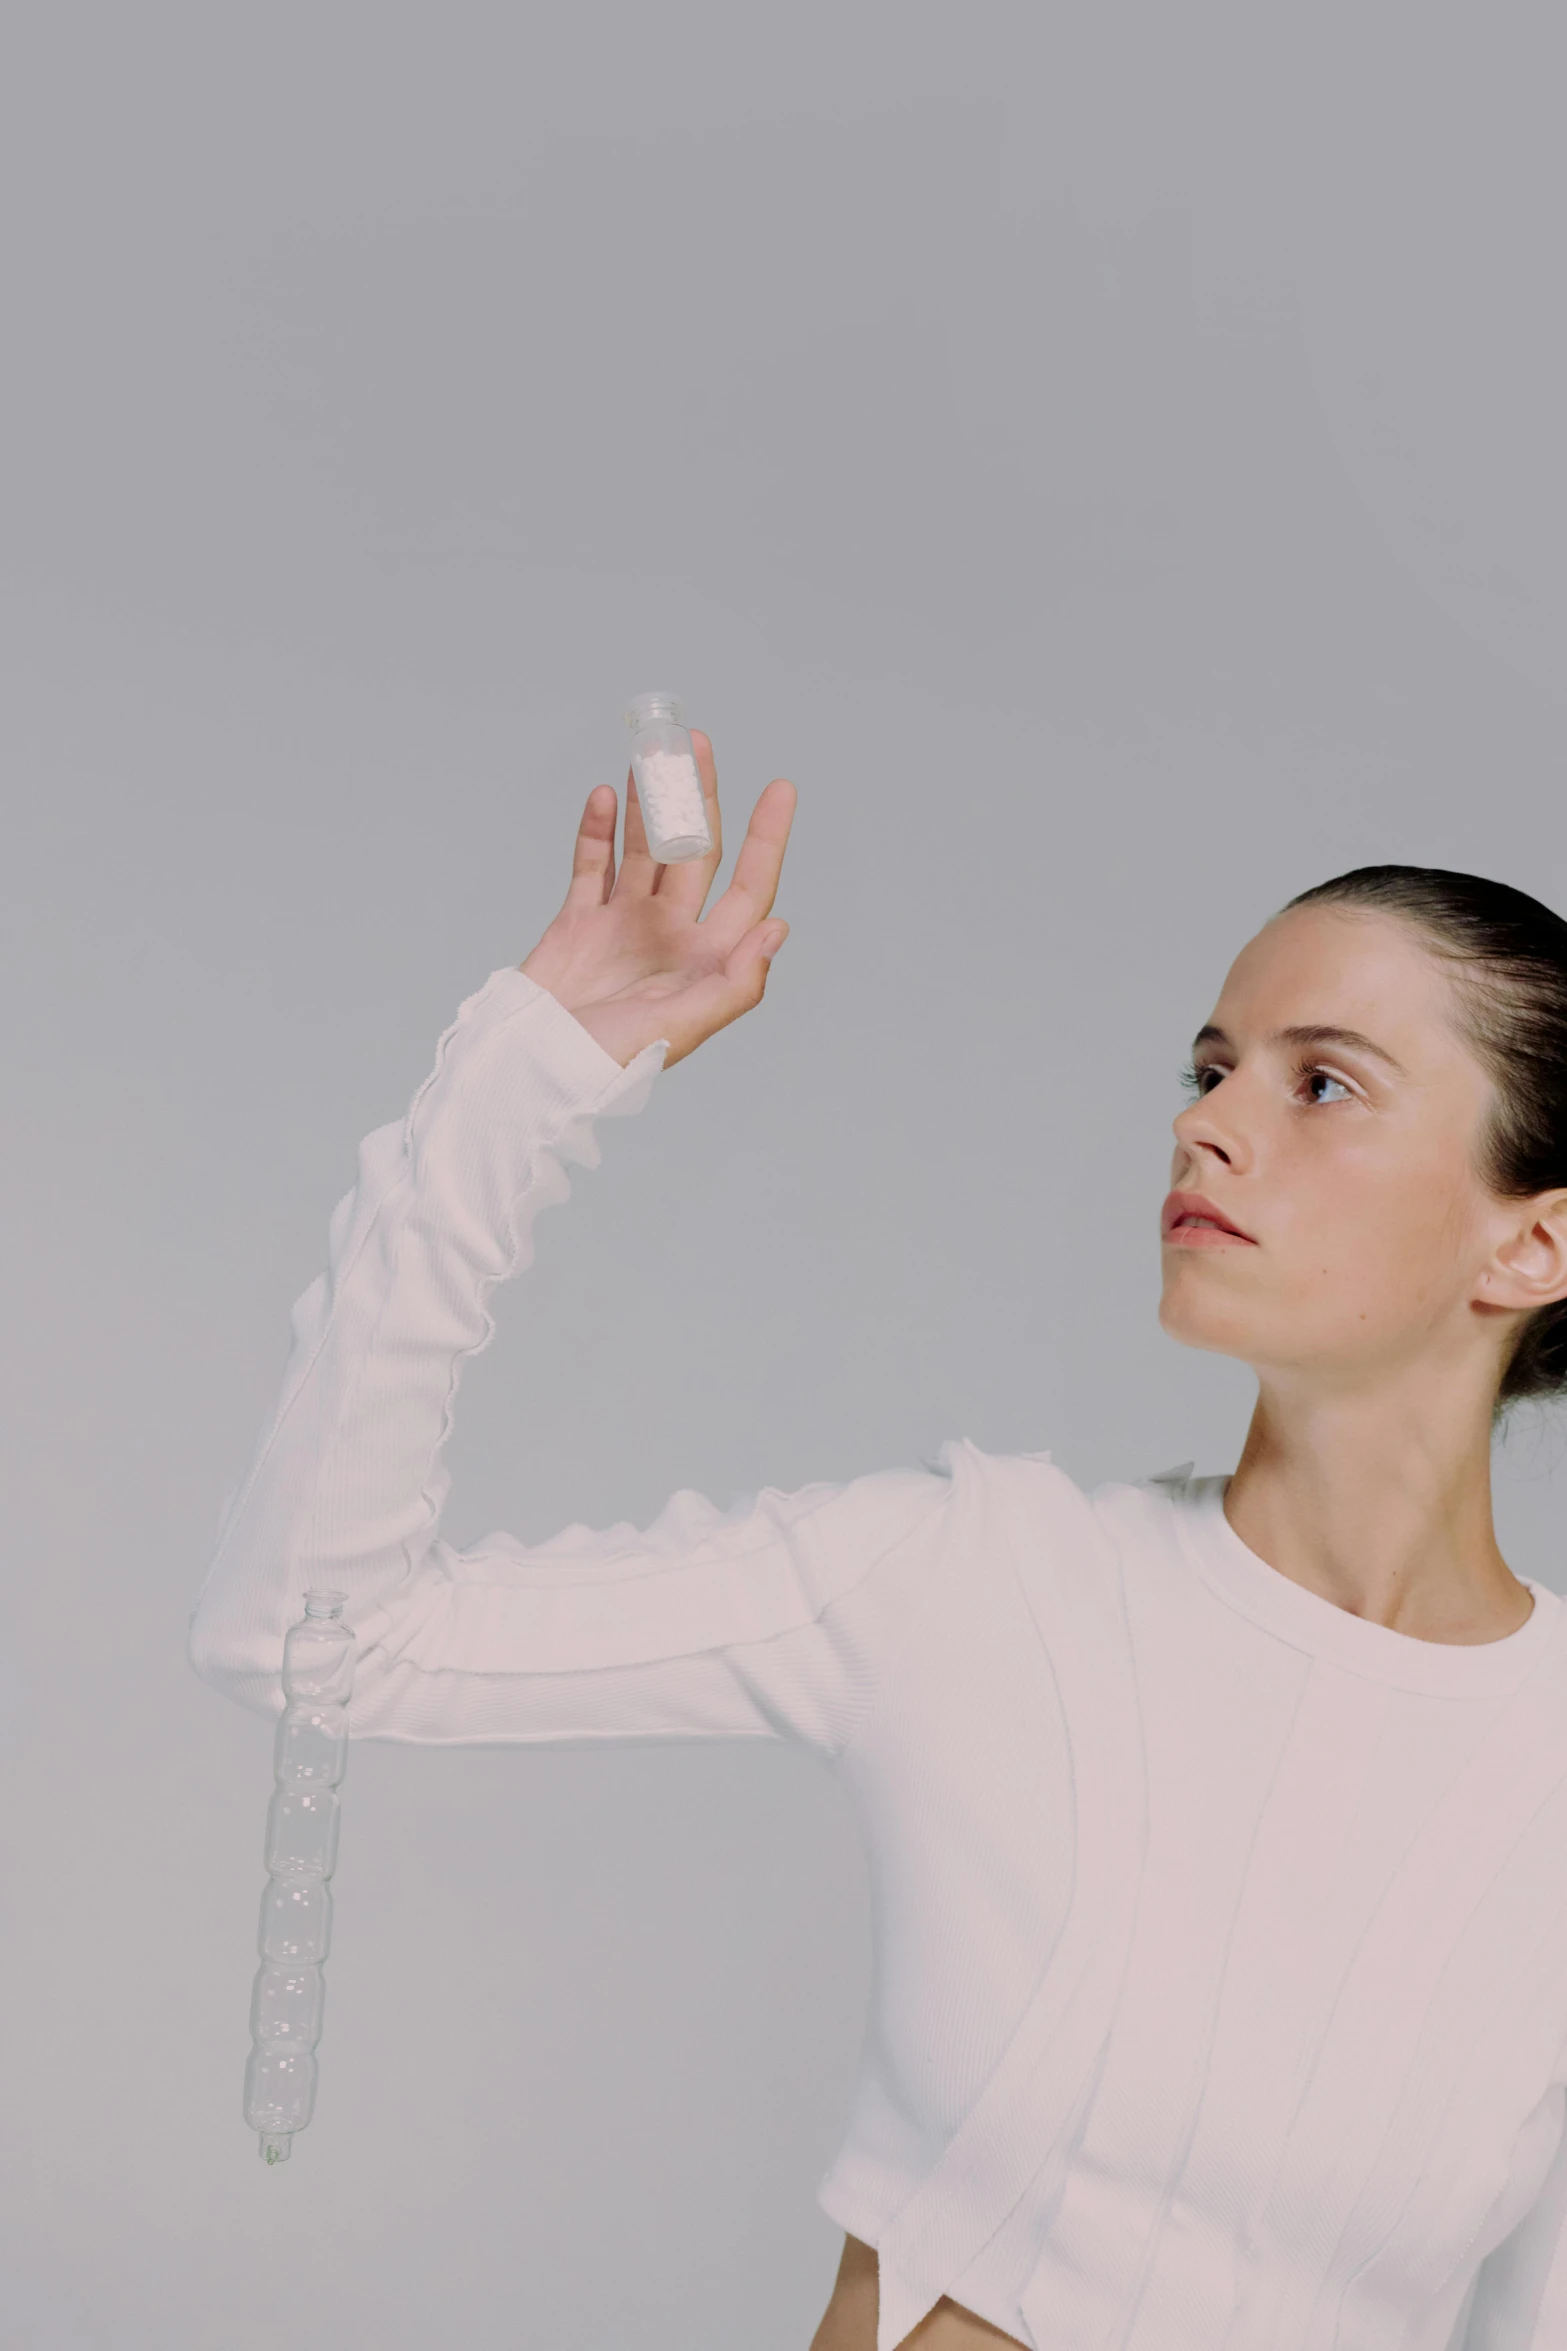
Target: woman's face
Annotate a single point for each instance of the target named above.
(1336, 1125)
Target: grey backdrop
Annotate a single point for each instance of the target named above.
(1110, 459)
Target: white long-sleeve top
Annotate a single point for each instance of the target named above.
(1220, 1936)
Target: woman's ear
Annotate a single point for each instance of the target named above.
(1529, 1268)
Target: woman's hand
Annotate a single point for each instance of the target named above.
(627, 954)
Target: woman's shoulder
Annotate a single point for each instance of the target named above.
(983, 1511)
(1048, 1512)
(1036, 1473)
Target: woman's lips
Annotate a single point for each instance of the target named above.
(1191, 1221)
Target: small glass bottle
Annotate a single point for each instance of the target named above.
(669, 789)
(310, 1756)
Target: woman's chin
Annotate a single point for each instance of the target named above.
(1202, 1322)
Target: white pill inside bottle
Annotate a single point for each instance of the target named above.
(669, 789)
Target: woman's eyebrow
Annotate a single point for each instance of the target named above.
(1310, 1034)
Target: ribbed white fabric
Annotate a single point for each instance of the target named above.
(1220, 1992)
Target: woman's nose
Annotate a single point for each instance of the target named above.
(1200, 1130)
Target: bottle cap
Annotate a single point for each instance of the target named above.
(647, 706)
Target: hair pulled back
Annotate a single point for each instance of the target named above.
(1510, 969)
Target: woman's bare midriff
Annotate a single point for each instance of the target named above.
(849, 2321)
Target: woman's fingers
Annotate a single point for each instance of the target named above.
(712, 1002)
(686, 883)
(754, 882)
(593, 856)
(638, 873)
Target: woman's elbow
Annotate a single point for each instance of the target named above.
(233, 1669)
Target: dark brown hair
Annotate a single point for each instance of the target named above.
(1510, 968)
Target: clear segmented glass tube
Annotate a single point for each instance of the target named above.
(310, 1756)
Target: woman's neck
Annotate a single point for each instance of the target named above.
(1381, 1503)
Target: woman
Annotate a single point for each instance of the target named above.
(1217, 1827)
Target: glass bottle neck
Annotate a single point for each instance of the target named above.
(644, 709)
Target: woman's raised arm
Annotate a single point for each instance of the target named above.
(772, 1618)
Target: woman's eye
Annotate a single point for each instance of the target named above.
(1199, 1081)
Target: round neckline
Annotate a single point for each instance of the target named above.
(1239, 1576)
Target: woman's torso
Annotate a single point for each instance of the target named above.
(1320, 1851)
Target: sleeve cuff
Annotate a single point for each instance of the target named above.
(563, 1072)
